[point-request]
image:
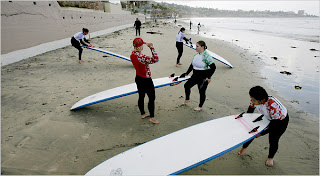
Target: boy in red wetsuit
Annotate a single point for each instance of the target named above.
(143, 76)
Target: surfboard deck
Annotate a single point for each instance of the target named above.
(124, 91)
(109, 52)
(184, 149)
(213, 55)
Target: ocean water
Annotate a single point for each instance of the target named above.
(291, 40)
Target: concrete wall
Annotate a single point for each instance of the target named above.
(25, 24)
(114, 8)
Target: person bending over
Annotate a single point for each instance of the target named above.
(77, 39)
(275, 112)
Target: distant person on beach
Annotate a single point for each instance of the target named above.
(143, 76)
(199, 25)
(179, 44)
(203, 68)
(77, 39)
(190, 25)
(137, 24)
(274, 111)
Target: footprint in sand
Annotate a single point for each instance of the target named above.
(23, 141)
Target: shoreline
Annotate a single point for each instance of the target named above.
(288, 58)
(38, 92)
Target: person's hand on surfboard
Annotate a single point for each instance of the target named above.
(183, 75)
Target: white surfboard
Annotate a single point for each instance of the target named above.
(184, 149)
(124, 91)
(213, 55)
(109, 52)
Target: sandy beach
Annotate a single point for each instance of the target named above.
(41, 136)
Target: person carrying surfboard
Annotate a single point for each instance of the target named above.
(275, 112)
(143, 76)
(203, 68)
(179, 44)
(77, 39)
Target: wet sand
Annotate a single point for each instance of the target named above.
(40, 135)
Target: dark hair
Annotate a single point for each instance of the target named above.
(182, 29)
(85, 30)
(259, 93)
(202, 43)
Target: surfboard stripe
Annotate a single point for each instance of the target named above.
(109, 52)
(245, 123)
(213, 55)
(118, 96)
(213, 157)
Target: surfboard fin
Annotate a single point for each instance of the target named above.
(240, 115)
(175, 82)
(258, 119)
(254, 130)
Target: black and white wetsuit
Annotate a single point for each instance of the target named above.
(179, 44)
(203, 67)
(76, 40)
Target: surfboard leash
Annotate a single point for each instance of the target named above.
(250, 128)
(173, 79)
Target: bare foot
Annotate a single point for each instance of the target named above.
(81, 61)
(144, 116)
(197, 108)
(240, 153)
(153, 120)
(177, 65)
(185, 102)
(269, 162)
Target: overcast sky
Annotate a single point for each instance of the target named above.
(310, 6)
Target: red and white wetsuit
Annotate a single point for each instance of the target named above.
(272, 109)
(141, 62)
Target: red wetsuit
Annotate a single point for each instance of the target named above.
(141, 62)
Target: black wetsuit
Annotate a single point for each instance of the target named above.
(145, 86)
(137, 24)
